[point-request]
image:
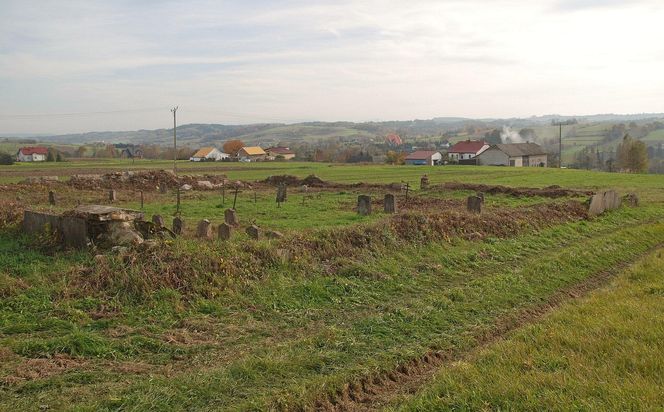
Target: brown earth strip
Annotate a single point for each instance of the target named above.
(374, 393)
(550, 191)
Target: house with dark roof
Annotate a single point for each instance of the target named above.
(32, 154)
(515, 155)
(466, 149)
(280, 152)
(424, 157)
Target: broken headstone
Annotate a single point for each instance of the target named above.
(51, 198)
(158, 221)
(424, 182)
(632, 199)
(274, 234)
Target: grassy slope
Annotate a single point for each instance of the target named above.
(290, 335)
(601, 353)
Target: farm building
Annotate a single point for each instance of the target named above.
(424, 157)
(285, 152)
(467, 149)
(251, 154)
(132, 153)
(514, 154)
(208, 154)
(32, 154)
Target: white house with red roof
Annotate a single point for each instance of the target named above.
(467, 149)
(424, 157)
(32, 154)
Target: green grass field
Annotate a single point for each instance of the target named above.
(342, 300)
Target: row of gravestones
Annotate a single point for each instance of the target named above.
(204, 229)
(473, 204)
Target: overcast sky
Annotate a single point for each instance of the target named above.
(288, 61)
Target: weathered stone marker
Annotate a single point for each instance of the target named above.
(474, 204)
(112, 196)
(254, 232)
(424, 182)
(364, 205)
(51, 198)
(389, 203)
(158, 221)
(163, 188)
(225, 230)
(178, 225)
(204, 229)
(282, 194)
(230, 217)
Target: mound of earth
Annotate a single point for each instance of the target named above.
(290, 180)
(143, 180)
(550, 191)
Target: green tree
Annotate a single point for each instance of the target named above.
(49, 156)
(632, 155)
(6, 159)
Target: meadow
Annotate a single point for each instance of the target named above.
(343, 309)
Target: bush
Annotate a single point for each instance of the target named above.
(6, 159)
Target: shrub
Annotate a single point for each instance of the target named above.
(6, 159)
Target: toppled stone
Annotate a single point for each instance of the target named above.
(274, 234)
(123, 233)
(205, 185)
(185, 187)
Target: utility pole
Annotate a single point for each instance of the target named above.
(175, 142)
(560, 143)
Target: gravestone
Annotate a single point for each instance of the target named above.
(481, 196)
(204, 229)
(390, 203)
(225, 231)
(112, 196)
(424, 182)
(230, 217)
(51, 198)
(178, 225)
(163, 188)
(282, 194)
(158, 221)
(364, 205)
(254, 232)
(474, 204)
(603, 201)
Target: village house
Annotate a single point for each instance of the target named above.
(32, 154)
(208, 154)
(466, 150)
(284, 152)
(251, 154)
(515, 155)
(424, 157)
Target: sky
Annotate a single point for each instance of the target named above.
(88, 65)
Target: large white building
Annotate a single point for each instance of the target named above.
(32, 154)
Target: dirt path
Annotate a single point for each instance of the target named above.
(376, 392)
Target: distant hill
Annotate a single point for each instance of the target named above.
(272, 133)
